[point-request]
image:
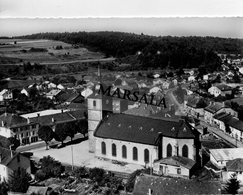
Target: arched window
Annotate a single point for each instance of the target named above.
(146, 155)
(113, 147)
(169, 150)
(185, 151)
(135, 153)
(94, 103)
(103, 148)
(124, 151)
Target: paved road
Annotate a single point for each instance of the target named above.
(222, 135)
(173, 101)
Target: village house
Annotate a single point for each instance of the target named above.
(220, 89)
(211, 110)
(6, 95)
(13, 125)
(53, 93)
(193, 107)
(11, 161)
(219, 157)
(233, 167)
(175, 166)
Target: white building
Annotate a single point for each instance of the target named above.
(175, 166)
(6, 94)
(220, 157)
(233, 167)
(137, 139)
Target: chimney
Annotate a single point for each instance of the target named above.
(28, 120)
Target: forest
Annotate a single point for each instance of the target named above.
(143, 51)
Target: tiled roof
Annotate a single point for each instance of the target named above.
(6, 156)
(235, 123)
(59, 117)
(235, 165)
(224, 87)
(140, 129)
(163, 185)
(222, 116)
(215, 107)
(178, 161)
(12, 120)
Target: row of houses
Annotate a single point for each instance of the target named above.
(25, 127)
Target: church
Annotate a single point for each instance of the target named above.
(137, 139)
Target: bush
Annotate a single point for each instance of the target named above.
(49, 168)
(80, 173)
(96, 174)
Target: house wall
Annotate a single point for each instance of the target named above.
(21, 162)
(219, 164)
(214, 91)
(226, 175)
(237, 134)
(3, 172)
(153, 151)
(6, 132)
(180, 143)
(164, 169)
(220, 124)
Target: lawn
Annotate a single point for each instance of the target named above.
(21, 51)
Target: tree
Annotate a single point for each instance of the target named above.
(71, 129)
(19, 181)
(131, 180)
(4, 188)
(82, 126)
(49, 168)
(46, 134)
(96, 174)
(14, 143)
(232, 185)
(61, 132)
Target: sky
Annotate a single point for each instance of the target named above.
(19, 17)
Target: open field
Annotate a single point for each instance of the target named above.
(16, 51)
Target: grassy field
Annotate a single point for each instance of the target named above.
(17, 51)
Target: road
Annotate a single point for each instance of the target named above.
(222, 135)
(69, 62)
(171, 99)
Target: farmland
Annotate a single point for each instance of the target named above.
(44, 52)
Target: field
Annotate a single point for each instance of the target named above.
(17, 51)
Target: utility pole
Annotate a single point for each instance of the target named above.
(72, 156)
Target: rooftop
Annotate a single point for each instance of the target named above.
(178, 161)
(145, 130)
(162, 185)
(12, 120)
(226, 154)
(214, 107)
(235, 165)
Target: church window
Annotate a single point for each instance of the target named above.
(146, 155)
(94, 103)
(113, 148)
(135, 153)
(124, 151)
(185, 151)
(103, 148)
(169, 150)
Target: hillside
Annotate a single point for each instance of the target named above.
(150, 51)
